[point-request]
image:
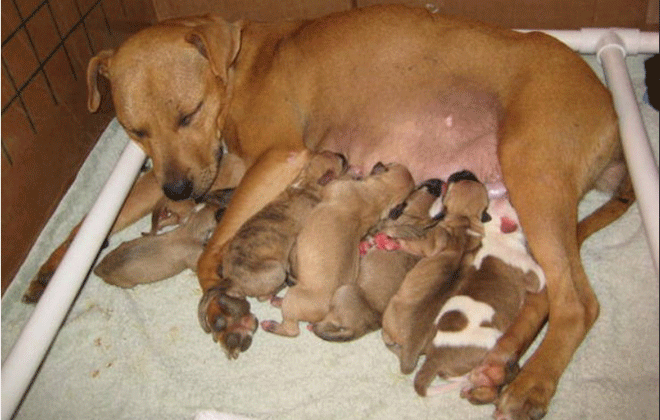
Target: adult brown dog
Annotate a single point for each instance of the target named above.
(379, 84)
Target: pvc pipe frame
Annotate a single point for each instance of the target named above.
(28, 352)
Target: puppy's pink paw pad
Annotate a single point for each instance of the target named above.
(269, 325)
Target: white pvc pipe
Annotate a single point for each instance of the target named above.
(587, 40)
(636, 146)
(36, 337)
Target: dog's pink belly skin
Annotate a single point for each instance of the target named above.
(432, 141)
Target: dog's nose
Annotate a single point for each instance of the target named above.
(178, 189)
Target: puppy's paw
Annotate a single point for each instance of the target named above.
(286, 329)
(486, 381)
(228, 320)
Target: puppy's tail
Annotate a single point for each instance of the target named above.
(618, 204)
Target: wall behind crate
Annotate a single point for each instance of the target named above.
(46, 129)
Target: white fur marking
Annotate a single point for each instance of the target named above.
(436, 208)
(473, 335)
(511, 248)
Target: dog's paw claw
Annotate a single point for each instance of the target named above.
(524, 399)
(37, 287)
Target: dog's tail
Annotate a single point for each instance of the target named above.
(618, 204)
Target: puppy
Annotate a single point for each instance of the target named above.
(154, 257)
(446, 250)
(328, 243)
(172, 213)
(356, 308)
(257, 260)
(485, 303)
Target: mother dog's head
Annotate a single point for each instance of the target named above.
(171, 86)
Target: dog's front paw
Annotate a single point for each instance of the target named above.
(526, 398)
(228, 320)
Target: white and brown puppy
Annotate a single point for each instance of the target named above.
(446, 249)
(328, 244)
(257, 262)
(485, 302)
(357, 308)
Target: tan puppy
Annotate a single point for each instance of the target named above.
(378, 84)
(328, 243)
(156, 257)
(357, 308)
(446, 250)
(484, 303)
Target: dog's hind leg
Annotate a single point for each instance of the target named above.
(548, 164)
(142, 199)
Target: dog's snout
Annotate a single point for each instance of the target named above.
(178, 189)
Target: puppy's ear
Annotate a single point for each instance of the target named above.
(397, 211)
(485, 217)
(328, 176)
(219, 42)
(98, 65)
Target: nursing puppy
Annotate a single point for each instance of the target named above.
(486, 301)
(356, 308)
(154, 256)
(446, 250)
(257, 262)
(327, 246)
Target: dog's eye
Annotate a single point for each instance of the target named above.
(140, 133)
(185, 120)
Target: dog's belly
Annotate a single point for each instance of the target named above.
(433, 137)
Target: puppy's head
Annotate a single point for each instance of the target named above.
(465, 196)
(391, 182)
(322, 168)
(170, 86)
(411, 217)
(349, 318)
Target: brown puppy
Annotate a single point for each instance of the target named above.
(485, 301)
(446, 250)
(357, 308)
(327, 246)
(156, 257)
(378, 84)
(257, 263)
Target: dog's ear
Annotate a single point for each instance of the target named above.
(219, 41)
(98, 65)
